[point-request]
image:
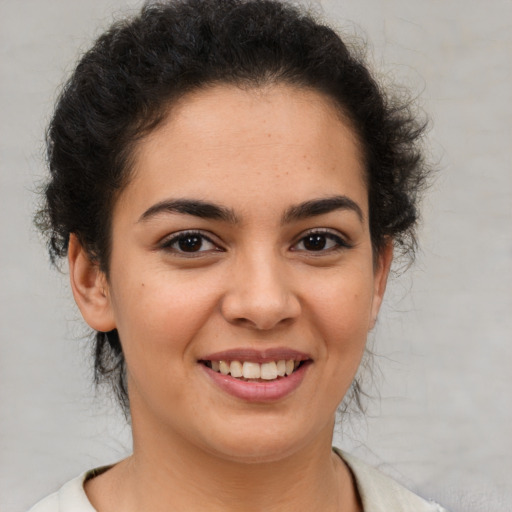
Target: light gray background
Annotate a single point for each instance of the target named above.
(443, 422)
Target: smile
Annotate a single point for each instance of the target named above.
(254, 371)
(257, 375)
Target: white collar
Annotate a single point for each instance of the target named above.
(378, 492)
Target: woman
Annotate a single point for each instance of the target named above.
(228, 183)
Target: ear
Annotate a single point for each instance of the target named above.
(381, 274)
(90, 288)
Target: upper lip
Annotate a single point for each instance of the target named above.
(257, 356)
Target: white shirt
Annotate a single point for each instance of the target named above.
(378, 492)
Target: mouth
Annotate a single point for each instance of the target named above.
(257, 376)
(253, 371)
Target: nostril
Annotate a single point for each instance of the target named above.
(264, 316)
(264, 323)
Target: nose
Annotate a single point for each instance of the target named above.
(260, 293)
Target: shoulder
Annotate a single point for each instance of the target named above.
(48, 504)
(70, 497)
(379, 493)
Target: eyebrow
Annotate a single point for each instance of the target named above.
(322, 206)
(207, 210)
(195, 207)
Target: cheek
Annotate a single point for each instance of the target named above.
(342, 311)
(158, 316)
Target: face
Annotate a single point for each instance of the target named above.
(242, 280)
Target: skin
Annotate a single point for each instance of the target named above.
(253, 283)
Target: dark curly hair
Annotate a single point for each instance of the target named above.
(122, 89)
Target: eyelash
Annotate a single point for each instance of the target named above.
(184, 235)
(339, 242)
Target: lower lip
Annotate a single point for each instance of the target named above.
(258, 391)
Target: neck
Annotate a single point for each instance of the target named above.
(166, 473)
(200, 480)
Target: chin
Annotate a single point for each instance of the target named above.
(257, 453)
(257, 443)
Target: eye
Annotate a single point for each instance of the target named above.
(320, 241)
(189, 242)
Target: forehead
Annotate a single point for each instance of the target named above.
(276, 144)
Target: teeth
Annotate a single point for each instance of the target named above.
(236, 369)
(224, 367)
(269, 371)
(249, 370)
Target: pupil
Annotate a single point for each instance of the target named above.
(190, 243)
(314, 242)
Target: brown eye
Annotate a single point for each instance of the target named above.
(320, 241)
(314, 242)
(191, 243)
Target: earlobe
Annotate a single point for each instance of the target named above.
(90, 288)
(381, 278)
